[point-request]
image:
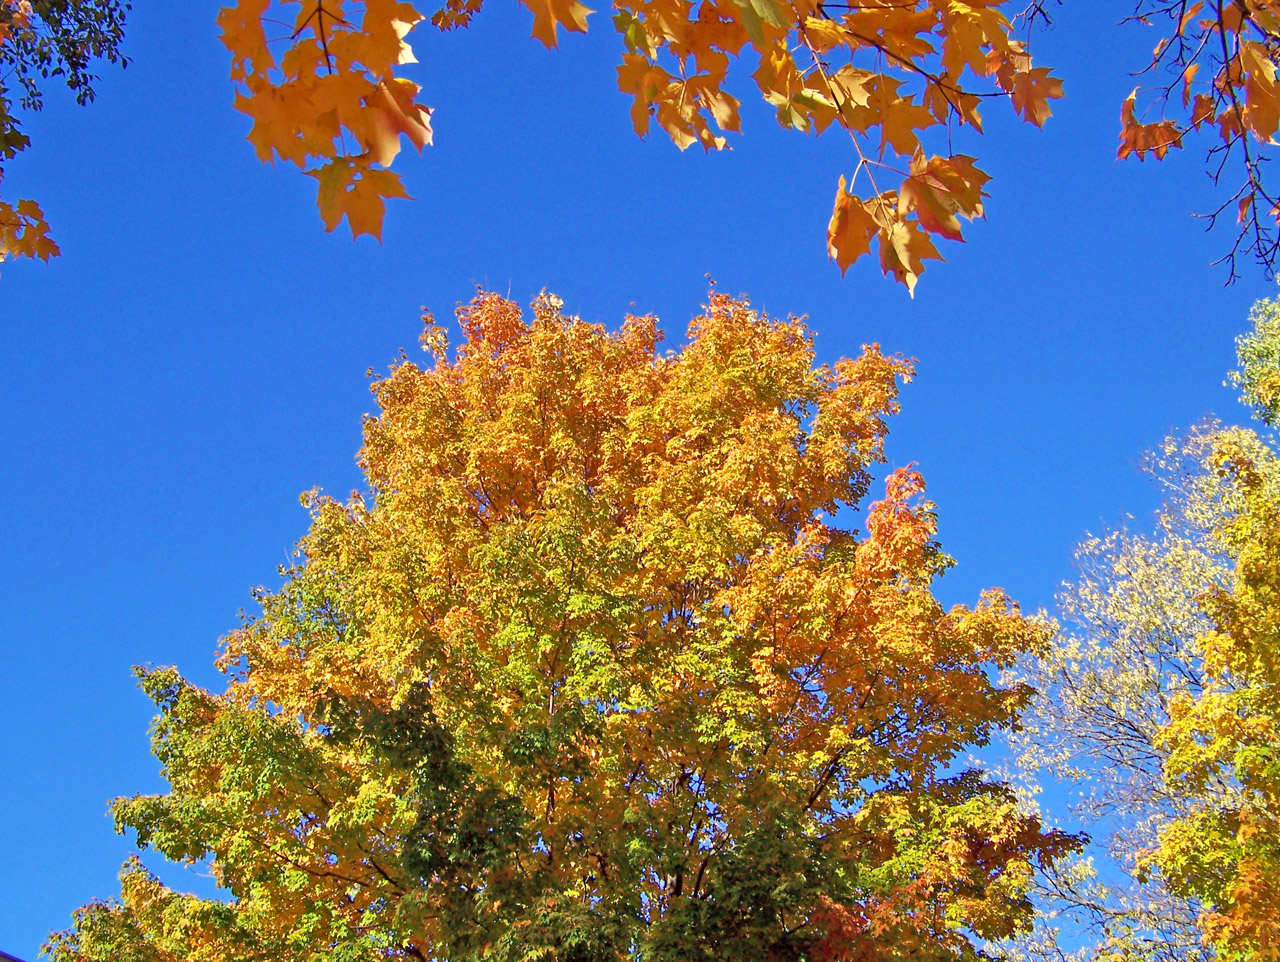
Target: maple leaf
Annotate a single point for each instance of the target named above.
(396, 113)
(279, 119)
(759, 14)
(1031, 93)
(966, 31)
(382, 35)
(899, 30)
(644, 81)
(569, 14)
(1262, 96)
(904, 247)
(1141, 139)
(899, 121)
(24, 232)
(939, 189)
(244, 35)
(825, 34)
(1202, 108)
(1188, 76)
(349, 188)
(851, 229)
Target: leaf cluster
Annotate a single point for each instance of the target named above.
(1213, 74)
(39, 40)
(892, 75)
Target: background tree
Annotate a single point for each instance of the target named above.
(593, 674)
(1225, 852)
(1160, 700)
(40, 39)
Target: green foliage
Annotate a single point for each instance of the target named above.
(1258, 376)
(53, 39)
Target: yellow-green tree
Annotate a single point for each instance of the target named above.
(1224, 740)
(1162, 698)
(592, 673)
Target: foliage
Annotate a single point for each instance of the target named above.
(594, 675)
(1104, 689)
(1164, 698)
(1258, 377)
(322, 81)
(40, 39)
(1224, 741)
(894, 76)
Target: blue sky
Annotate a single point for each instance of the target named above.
(197, 357)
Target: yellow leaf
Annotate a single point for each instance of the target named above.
(389, 119)
(24, 232)
(1261, 96)
(903, 249)
(851, 229)
(350, 189)
(643, 80)
(569, 14)
(1032, 91)
(244, 36)
(939, 189)
(1188, 75)
(825, 34)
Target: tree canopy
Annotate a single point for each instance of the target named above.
(591, 672)
(1163, 699)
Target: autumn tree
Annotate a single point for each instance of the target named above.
(1163, 696)
(1095, 730)
(1226, 851)
(41, 39)
(591, 672)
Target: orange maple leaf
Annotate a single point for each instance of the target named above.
(350, 189)
(569, 14)
(851, 229)
(1032, 91)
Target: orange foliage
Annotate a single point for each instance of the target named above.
(887, 72)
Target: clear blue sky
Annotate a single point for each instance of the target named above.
(197, 357)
